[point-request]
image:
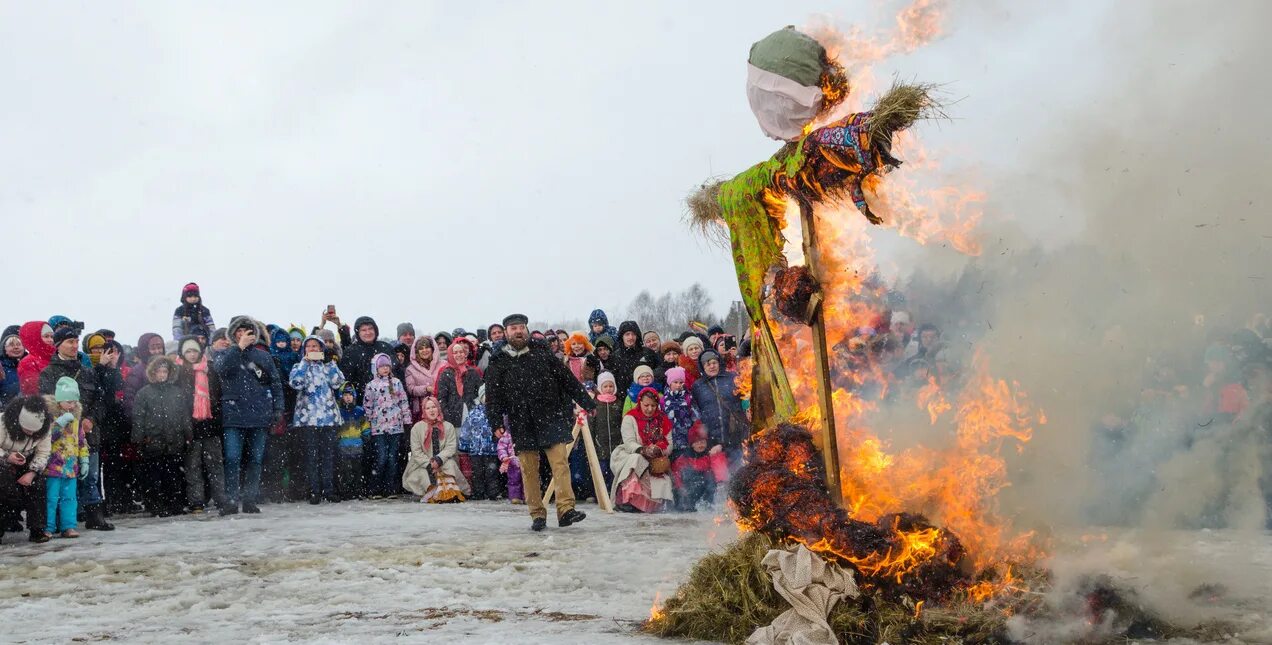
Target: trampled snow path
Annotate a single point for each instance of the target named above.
(358, 571)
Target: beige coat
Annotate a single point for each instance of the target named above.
(625, 460)
(417, 477)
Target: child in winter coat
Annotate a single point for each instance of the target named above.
(642, 377)
(607, 423)
(316, 381)
(190, 313)
(162, 428)
(476, 440)
(678, 406)
(697, 469)
(510, 466)
(68, 459)
(389, 413)
(354, 433)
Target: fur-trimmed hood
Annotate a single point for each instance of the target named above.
(33, 404)
(153, 367)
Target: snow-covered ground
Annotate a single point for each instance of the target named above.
(474, 573)
(352, 572)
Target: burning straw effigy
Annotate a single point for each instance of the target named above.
(910, 579)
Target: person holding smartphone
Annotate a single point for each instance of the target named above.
(317, 380)
(251, 401)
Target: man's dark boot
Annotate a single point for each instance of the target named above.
(229, 509)
(250, 508)
(538, 524)
(96, 520)
(572, 516)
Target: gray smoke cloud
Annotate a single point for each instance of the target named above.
(1161, 180)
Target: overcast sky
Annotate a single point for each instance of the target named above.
(439, 162)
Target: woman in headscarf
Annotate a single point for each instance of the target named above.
(433, 471)
(421, 374)
(642, 480)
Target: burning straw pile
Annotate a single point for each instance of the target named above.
(915, 584)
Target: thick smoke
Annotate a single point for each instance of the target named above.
(1166, 169)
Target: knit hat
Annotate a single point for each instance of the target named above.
(715, 329)
(93, 341)
(640, 371)
(604, 378)
(62, 334)
(515, 319)
(650, 333)
(31, 421)
(441, 334)
(187, 343)
(349, 389)
(605, 340)
(459, 331)
(692, 341)
(706, 357)
(296, 332)
(218, 335)
(669, 346)
(697, 432)
(675, 374)
(66, 390)
(381, 360)
(405, 328)
(191, 289)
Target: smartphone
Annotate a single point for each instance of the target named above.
(331, 310)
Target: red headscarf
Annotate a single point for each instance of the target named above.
(460, 370)
(654, 430)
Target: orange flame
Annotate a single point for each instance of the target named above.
(954, 479)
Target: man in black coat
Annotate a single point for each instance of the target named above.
(629, 355)
(531, 394)
(359, 349)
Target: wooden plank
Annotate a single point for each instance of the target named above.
(825, 400)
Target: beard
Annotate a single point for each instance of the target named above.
(518, 342)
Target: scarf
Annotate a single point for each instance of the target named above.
(460, 370)
(576, 364)
(653, 430)
(202, 394)
(606, 398)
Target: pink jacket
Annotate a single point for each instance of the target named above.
(420, 381)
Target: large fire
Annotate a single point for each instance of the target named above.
(951, 477)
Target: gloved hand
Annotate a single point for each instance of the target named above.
(64, 420)
(83, 467)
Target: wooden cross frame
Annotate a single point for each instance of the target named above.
(582, 429)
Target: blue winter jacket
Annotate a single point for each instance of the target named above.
(251, 388)
(720, 409)
(316, 385)
(9, 387)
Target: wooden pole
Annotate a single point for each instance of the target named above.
(582, 429)
(816, 319)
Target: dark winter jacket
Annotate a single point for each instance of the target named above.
(534, 390)
(187, 316)
(607, 427)
(626, 359)
(161, 414)
(111, 427)
(453, 403)
(137, 375)
(9, 387)
(90, 395)
(204, 428)
(720, 408)
(598, 317)
(251, 388)
(356, 362)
